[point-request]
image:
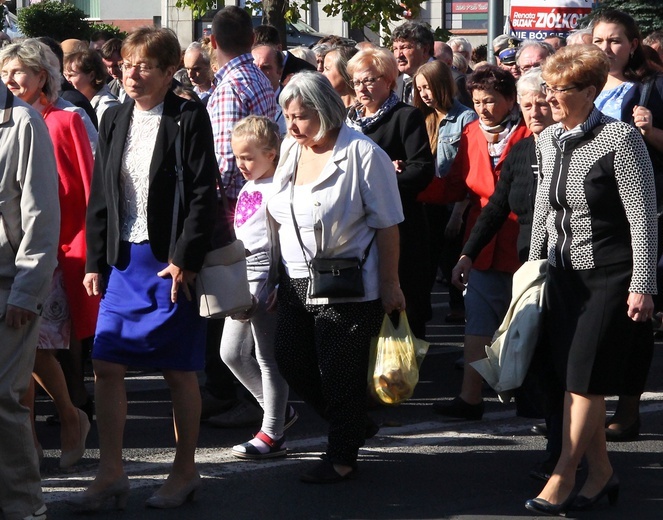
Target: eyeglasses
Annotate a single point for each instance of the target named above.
(143, 69)
(553, 90)
(367, 82)
(529, 66)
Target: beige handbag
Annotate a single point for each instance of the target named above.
(222, 286)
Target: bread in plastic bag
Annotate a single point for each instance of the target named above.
(396, 355)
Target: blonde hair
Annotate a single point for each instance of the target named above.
(581, 65)
(382, 59)
(261, 131)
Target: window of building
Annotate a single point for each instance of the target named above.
(91, 8)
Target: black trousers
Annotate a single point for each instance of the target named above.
(322, 351)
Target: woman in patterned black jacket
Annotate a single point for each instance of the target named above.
(595, 222)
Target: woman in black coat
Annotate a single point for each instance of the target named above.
(400, 130)
(143, 263)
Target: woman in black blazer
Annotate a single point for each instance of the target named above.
(147, 315)
(400, 130)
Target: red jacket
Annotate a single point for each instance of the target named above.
(472, 174)
(73, 157)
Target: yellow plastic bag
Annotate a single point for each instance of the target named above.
(396, 355)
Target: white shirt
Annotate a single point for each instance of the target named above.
(135, 173)
(355, 195)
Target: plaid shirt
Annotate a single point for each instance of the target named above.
(242, 90)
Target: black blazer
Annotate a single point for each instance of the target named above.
(196, 220)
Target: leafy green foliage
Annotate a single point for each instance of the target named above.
(113, 30)
(57, 20)
(647, 13)
(374, 14)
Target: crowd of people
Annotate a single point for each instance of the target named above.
(406, 165)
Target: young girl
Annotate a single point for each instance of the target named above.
(255, 143)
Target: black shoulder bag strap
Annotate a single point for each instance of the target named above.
(179, 189)
(299, 236)
(644, 94)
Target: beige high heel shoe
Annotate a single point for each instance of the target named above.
(186, 494)
(71, 457)
(90, 502)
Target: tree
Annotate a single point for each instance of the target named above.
(57, 20)
(648, 14)
(374, 14)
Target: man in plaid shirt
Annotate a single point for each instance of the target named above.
(242, 89)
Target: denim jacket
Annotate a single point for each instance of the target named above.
(451, 127)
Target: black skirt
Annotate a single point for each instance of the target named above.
(593, 346)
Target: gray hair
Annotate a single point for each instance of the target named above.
(577, 37)
(460, 44)
(544, 46)
(321, 49)
(37, 57)
(314, 92)
(305, 54)
(529, 82)
(197, 46)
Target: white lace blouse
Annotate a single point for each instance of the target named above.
(135, 173)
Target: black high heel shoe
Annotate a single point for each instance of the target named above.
(611, 490)
(629, 433)
(543, 507)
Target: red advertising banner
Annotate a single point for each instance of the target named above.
(536, 19)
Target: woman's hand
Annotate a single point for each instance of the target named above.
(640, 306)
(461, 272)
(453, 226)
(642, 119)
(181, 278)
(17, 317)
(399, 165)
(392, 297)
(92, 283)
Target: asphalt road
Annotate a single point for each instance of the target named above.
(417, 467)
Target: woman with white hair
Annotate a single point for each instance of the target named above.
(336, 198)
(32, 73)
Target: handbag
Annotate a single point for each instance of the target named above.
(396, 357)
(222, 285)
(331, 277)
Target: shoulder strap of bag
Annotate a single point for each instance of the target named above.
(645, 92)
(179, 189)
(294, 221)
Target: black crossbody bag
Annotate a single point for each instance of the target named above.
(331, 277)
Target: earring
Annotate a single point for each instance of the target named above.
(632, 52)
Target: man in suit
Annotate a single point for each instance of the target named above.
(412, 43)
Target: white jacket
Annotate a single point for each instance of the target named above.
(513, 345)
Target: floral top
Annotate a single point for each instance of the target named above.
(135, 173)
(610, 101)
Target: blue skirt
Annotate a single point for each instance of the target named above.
(138, 325)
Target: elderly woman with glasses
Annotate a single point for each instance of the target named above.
(484, 147)
(142, 260)
(400, 130)
(595, 222)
